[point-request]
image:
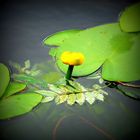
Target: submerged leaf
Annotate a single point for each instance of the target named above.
(61, 99)
(47, 99)
(27, 64)
(18, 104)
(71, 99)
(13, 88)
(46, 93)
(4, 78)
(80, 98)
(90, 98)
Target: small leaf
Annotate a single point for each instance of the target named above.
(47, 99)
(18, 104)
(4, 78)
(80, 98)
(61, 99)
(13, 88)
(15, 65)
(97, 87)
(27, 64)
(98, 96)
(90, 98)
(101, 80)
(46, 93)
(102, 92)
(52, 52)
(71, 99)
(54, 88)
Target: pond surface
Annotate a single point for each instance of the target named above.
(23, 26)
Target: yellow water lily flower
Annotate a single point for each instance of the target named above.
(72, 58)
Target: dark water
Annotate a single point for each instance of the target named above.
(23, 26)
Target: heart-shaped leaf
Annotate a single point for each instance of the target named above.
(18, 104)
(13, 88)
(130, 18)
(4, 78)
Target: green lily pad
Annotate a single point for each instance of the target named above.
(130, 18)
(123, 64)
(59, 37)
(13, 88)
(4, 78)
(18, 104)
(94, 43)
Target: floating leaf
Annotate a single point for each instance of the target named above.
(47, 99)
(126, 55)
(4, 78)
(71, 99)
(13, 88)
(130, 18)
(46, 93)
(18, 104)
(90, 98)
(59, 37)
(94, 44)
(80, 98)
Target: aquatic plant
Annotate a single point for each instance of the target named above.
(108, 47)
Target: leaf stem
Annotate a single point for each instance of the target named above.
(129, 85)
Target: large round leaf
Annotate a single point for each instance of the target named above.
(123, 64)
(18, 104)
(4, 78)
(95, 44)
(58, 38)
(130, 18)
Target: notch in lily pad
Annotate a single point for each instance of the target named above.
(72, 59)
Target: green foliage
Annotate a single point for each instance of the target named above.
(26, 69)
(18, 104)
(130, 18)
(106, 46)
(14, 105)
(13, 88)
(4, 78)
(59, 37)
(72, 93)
(30, 80)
